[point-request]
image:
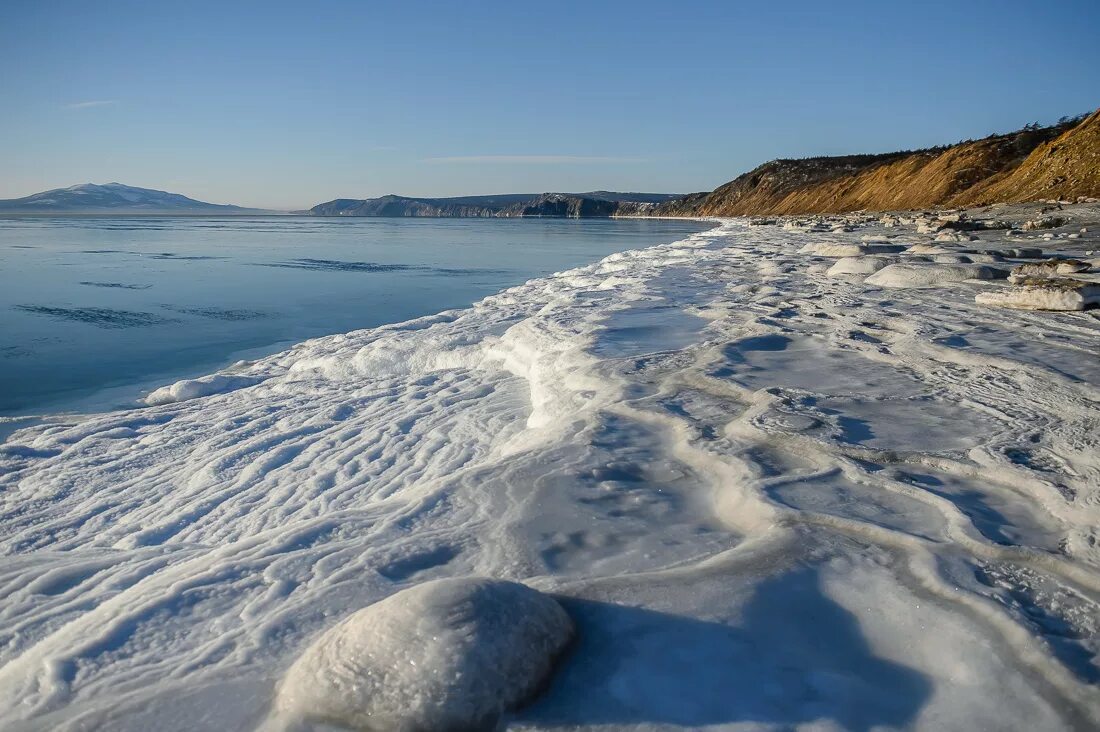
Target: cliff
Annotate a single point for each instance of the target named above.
(1062, 161)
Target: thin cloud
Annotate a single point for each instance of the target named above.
(532, 159)
(92, 103)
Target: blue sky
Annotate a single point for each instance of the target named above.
(284, 105)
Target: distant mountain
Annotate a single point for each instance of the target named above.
(594, 204)
(113, 198)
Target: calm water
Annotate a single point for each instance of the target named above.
(94, 311)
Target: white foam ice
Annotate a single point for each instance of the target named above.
(768, 498)
(186, 389)
(450, 654)
(858, 266)
(906, 274)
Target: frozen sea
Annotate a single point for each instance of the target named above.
(95, 309)
(768, 495)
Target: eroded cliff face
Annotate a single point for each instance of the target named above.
(1054, 162)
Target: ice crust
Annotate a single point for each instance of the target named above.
(450, 654)
(768, 498)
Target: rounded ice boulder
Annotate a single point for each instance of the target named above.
(448, 655)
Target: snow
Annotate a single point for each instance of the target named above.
(446, 654)
(767, 498)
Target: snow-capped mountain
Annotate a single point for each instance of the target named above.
(113, 198)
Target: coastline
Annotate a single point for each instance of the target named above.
(709, 444)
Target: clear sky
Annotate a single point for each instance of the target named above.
(286, 104)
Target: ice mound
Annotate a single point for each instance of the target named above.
(186, 389)
(1023, 253)
(976, 257)
(953, 259)
(952, 235)
(858, 266)
(929, 249)
(931, 275)
(451, 654)
(1049, 268)
(849, 249)
(1038, 293)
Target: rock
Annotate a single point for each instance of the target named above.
(925, 226)
(932, 275)
(1038, 293)
(1044, 222)
(449, 654)
(862, 266)
(837, 249)
(1023, 253)
(1049, 268)
(992, 224)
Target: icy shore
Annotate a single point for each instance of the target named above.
(766, 497)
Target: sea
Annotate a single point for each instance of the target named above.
(97, 311)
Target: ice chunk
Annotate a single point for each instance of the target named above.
(186, 389)
(932, 275)
(951, 235)
(1037, 293)
(849, 249)
(451, 654)
(858, 266)
(1049, 268)
(929, 249)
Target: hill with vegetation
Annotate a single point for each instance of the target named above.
(1061, 161)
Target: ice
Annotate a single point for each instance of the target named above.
(194, 388)
(858, 266)
(451, 654)
(932, 275)
(1043, 293)
(768, 499)
(850, 249)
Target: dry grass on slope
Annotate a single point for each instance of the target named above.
(1060, 161)
(1064, 168)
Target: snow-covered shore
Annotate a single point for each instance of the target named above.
(767, 497)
